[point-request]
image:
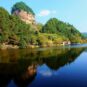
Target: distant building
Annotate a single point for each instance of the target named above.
(66, 43)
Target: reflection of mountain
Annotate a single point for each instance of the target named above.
(20, 65)
(85, 50)
(26, 78)
(22, 76)
(63, 58)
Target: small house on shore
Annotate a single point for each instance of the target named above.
(66, 43)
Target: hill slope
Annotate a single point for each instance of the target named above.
(65, 29)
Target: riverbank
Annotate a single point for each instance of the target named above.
(6, 46)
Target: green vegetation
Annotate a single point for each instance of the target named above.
(13, 31)
(22, 6)
(55, 26)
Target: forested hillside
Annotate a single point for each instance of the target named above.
(13, 31)
(55, 26)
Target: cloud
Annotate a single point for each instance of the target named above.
(46, 13)
(46, 73)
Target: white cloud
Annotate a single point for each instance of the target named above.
(46, 13)
(46, 73)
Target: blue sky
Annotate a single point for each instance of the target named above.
(71, 11)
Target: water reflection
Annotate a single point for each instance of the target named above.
(27, 77)
(21, 65)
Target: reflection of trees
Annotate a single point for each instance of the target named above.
(63, 58)
(26, 78)
(22, 76)
(20, 65)
(86, 49)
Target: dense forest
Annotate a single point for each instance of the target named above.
(13, 31)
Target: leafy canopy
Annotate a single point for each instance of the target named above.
(55, 26)
(22, 6)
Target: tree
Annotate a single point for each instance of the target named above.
(55, 26)
(39, 27)
(22, 6)
(4, 25)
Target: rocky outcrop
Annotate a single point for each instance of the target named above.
(28, 18)
(25, 13)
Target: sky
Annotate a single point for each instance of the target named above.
(70, 11)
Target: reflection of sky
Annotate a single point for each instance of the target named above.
(12, 84)
(76, 68)
(45, 71)
(70, 75)
(73, 75)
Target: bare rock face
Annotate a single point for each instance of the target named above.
(24, 12)
(28, 18)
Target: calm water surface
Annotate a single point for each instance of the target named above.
(44, 67)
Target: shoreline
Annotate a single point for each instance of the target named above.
(5, 47)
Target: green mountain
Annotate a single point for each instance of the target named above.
(55, 26)
(12, 29)
(22, 6)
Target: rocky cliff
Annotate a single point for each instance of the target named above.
(25, 13)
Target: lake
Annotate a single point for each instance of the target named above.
(44, 67)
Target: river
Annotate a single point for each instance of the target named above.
(44, 67)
